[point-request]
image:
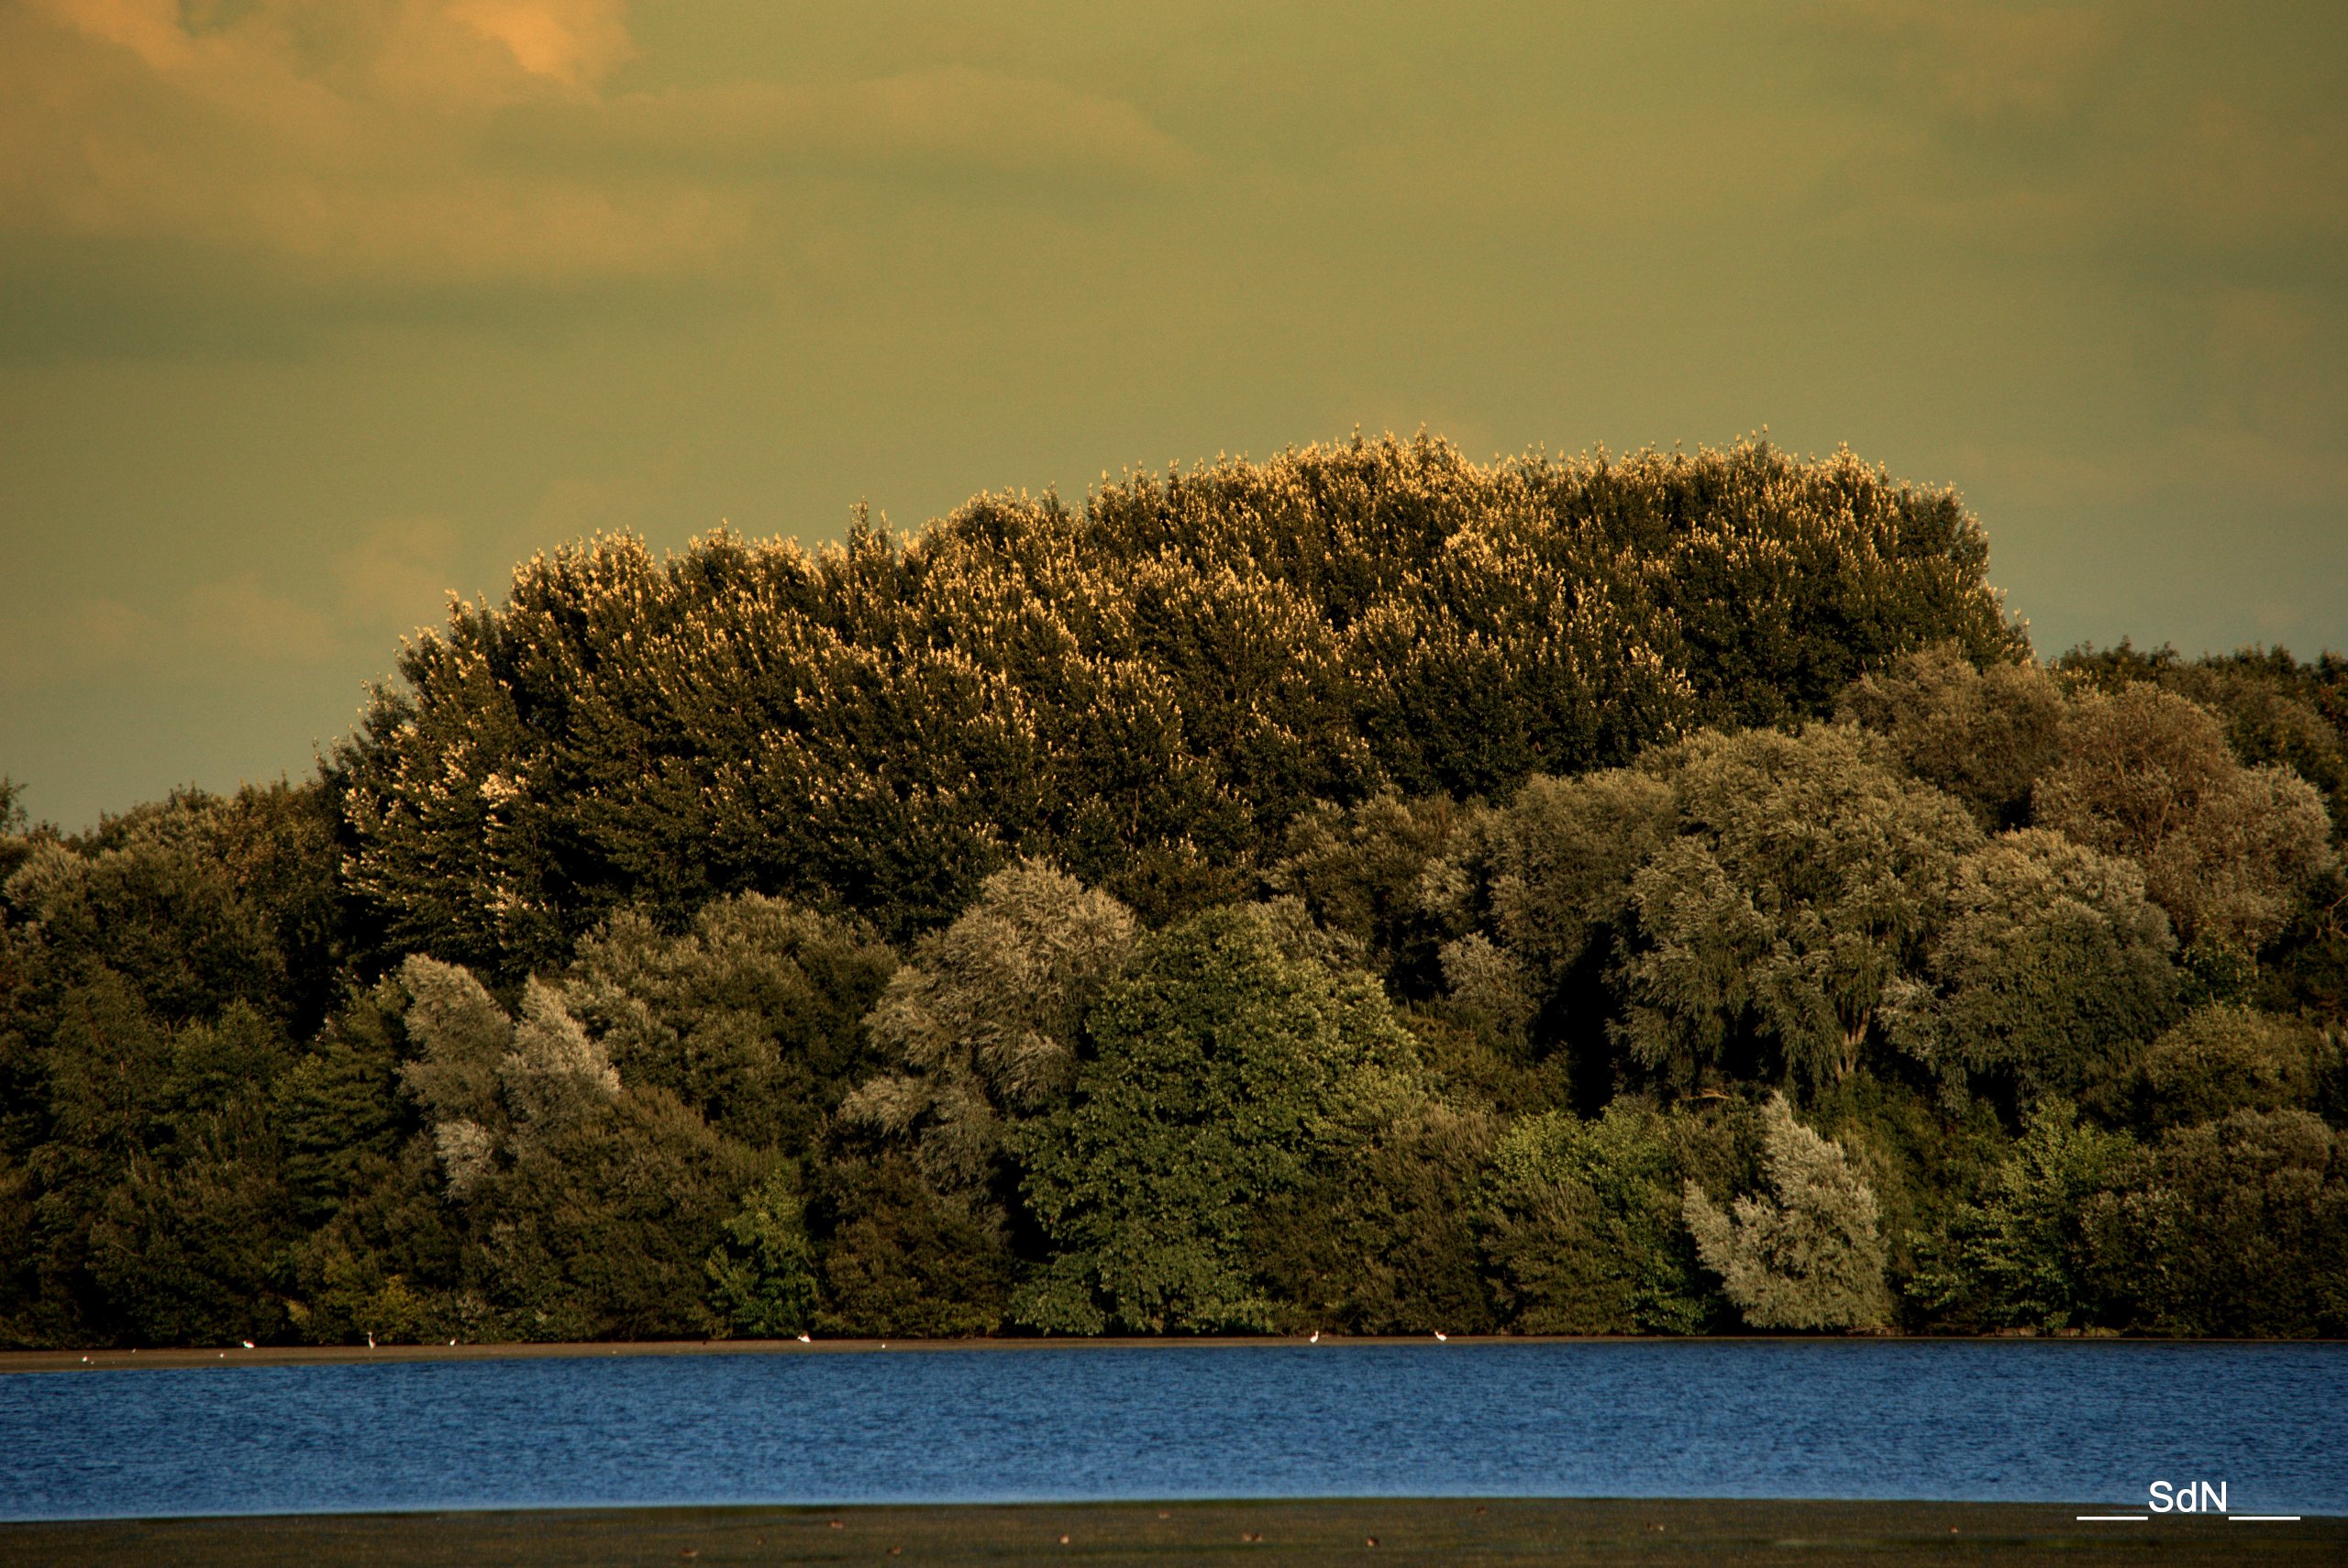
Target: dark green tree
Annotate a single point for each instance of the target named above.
(2016, 1255)
(1224, 1070)
(754, 1016)
(2051, 967)
(1984, 734)
(1583, 1230)
(1147, 691)
(2235, 1227)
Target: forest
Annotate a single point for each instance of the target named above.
(1364, 890)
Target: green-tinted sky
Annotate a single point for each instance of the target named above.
(311, 309)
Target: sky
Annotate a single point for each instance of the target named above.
(313, 311)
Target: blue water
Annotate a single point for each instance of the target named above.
(2006, 1421)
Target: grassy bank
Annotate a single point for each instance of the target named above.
(1653, 1534)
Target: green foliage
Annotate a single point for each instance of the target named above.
(984, 1023)
(1805, 875)
(1808, 1255)
(602, 1229)
(151, 973)
(2050, 966)
(1143, 691)
(197, 901)
(1385, 1243)
(592, 1208)
(904, 1260)
(1582, 1227)
(752, 941)
(2276, 709)
(195, 1249)
(1362, 873)
(2225, 849)
(1550, 873)
(754, 1016)
(338, 1108)
(2017, 1254)
(763, 1273)
(2223, 1059)
(1981, 733)
(2238, 1226)
(390, 1262)
(1225, 1070)
(461, 1036)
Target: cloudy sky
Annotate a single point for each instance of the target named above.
(313, 310)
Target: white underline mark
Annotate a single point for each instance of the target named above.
(2112, 1518)
(2264, 1519)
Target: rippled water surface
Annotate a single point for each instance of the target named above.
(2010, 1422)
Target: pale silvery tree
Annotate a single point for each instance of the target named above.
(1810, 1253)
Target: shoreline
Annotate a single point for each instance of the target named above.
(113, 1360)
(1655, 1533)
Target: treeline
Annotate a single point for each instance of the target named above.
(1364, 891)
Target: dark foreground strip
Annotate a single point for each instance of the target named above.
(1653, 1534)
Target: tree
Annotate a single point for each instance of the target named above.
(2225, 849)
(754, 1015)
(1983, 733)
(2220, 1059)
(1224, 1071)
(2235, 1227)
(1549, 873)
(1583, 1229)
(1805, 875)
(339, 1108)
(1147, 691)
(461, 1037)
(902, 1259)
(984, 1023)
(1363, 872)
(763, 1274)
(150, 972)
(2016, 1254)
(591, 1207)
(1383, 1242)
(197, 1249)
(601, 1226)
(2049, 970)
(1810, 1254)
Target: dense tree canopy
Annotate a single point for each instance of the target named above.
(1365, 890)
(1143, 689)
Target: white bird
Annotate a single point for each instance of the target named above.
(370, 1341)
(1315, 1339)
(247, 1344)
(806, 1340)
(452, 1341)
(1441, 1335)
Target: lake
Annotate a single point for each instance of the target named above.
(2011, 1421)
